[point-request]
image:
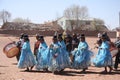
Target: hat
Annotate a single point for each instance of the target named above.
(26, 37)
(99, 35)
(54, 37)
(82, 36)
(103, 36)
(40, 37)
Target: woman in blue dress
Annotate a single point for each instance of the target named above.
(26, 58)
(42, 56)
(82, 56)
(55, 56)
(64, 52)
(104, 58)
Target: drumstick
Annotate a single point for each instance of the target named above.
(10, 39)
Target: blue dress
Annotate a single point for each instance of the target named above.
(26, 57)
(82, 56)
(103, 58)
(42, 57)
(65, 54)
(55, 58)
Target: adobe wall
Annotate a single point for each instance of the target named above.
(112, 34)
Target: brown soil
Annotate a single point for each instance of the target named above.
(9, 70)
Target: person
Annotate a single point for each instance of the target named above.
(19, 45)
(42, 62)
(99, 41)
(36, 45)
(104, 58)
(82, 56)
(55, 56)
(75, 41)
(64, 34)
(107, 37)
(117, 56)
(65, 54)
(68, 43)
(26, 58)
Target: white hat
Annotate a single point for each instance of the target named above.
(99, 35)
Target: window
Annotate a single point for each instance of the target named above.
(87, 22)
(61, 22)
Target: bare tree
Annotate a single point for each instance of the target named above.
(21, 20)
(5, 16)
(75, 13)
(98, 24)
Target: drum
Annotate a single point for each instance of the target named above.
(11, 50)
(114, 51)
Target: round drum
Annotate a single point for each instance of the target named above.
(113, 51)
(11, 50)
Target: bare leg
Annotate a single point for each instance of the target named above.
(31, 67)
(110, 68)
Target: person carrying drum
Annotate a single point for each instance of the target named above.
(19, 45)
(36, 45)
(117, 56)
(26, 58)
(104, 58)
(82, 56)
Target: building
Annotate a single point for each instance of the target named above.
(84, 24)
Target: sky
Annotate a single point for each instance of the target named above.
(39, 11)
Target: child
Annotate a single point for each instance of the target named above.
(26, 58)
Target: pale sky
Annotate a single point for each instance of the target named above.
(39, 11)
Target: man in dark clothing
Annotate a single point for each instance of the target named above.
(117, 59)
(68, 42)
(75, 41)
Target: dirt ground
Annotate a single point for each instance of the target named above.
(9, 70)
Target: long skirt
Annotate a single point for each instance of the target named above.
(26, 60)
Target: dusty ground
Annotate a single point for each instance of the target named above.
(9, 70)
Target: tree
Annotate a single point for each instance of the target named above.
(5, 16)
(20, 20)
(76, 13)
(98, 24)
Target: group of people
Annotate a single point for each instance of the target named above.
(64, 52)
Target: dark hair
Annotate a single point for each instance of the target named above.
(60, 36)
(41, 37)
(26, 37)
(54, 37)
(22, 35)
(103, 36)
(82, 36)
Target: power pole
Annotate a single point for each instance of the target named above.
(119, 19)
